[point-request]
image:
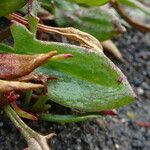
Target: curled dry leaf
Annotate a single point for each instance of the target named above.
(14, 65)
(85, 39)
(17, 86)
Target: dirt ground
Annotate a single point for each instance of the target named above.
(111, 133)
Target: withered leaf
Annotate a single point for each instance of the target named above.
(15, 65)
(14, 85)
(85, 39)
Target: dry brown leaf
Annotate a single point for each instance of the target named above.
(39, 142)
(14, 65)
(85, 39)
(17, 86)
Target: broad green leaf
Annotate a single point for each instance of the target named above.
(9, 6)
(94, 21)
(91, 2)
(87, 82)
(136, 4)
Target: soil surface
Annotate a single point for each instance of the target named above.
(111, 133)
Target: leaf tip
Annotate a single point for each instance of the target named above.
(68, 55)
(109, 112)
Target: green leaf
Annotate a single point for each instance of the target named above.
(46, 4)
(27, 99)
(88, 82)
(33, 22)
(136, 4)
(91, 2)
(5, 48)
(67, 118)
(40, 105)
(94, 21)
(9, 6)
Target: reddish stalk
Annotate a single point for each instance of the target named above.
(122, 13)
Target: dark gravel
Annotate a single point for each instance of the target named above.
(111, 133)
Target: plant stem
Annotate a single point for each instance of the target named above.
(27, 98)
(40, 104)
(16, 120)
(35, 140)
(135, 24)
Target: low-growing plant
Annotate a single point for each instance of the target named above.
(35, 75)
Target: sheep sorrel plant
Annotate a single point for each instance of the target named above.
(72, 71)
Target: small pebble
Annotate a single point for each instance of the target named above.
(140, 91)
(117, 146)
(130, 115)
(1, 124)
(123, 120)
